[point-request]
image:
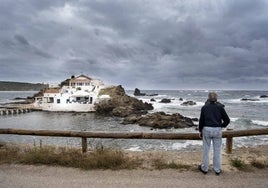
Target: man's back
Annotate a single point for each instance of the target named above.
(212, 115)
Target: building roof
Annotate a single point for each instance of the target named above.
(52, 90)
(81, 78)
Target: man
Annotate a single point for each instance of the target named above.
(213, 118)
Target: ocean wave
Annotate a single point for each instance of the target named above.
(255, 99)
(134, 148)
(233, 119)
(186, 144)
(250, 141)
(241, 123)
(261, 123)
(249, 121)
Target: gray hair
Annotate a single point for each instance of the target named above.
(212, 97)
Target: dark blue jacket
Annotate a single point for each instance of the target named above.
(213, 115)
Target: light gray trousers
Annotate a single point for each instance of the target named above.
(214, 135)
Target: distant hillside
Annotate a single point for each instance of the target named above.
(20, 86)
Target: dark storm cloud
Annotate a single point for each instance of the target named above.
(21, 40)
(146, 44)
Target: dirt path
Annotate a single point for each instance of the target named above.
(27, 176)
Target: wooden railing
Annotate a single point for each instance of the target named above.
(135, 135)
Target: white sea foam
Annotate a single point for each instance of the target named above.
(234, 119)
(134, 148)
(251, 100)
(178, 146)
(233, 101)
(258, 122)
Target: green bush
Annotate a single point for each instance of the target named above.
(238, 163)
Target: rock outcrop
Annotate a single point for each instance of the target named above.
(134, 111)
(137, 92)
(188, 103)
(160, 120)
(165, 101)
(120, 104)
(264, 96)
(246, 99)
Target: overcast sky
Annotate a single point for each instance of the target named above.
(148, 44)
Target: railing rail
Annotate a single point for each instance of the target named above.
(229, 134)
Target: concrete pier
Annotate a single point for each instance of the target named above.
(10, 111)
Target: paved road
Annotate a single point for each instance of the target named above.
(49, 177)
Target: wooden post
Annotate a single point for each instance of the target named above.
(40, 142)
(84, 144)
(229, 145)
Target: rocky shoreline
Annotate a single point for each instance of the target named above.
(131, 109)
(159, 120)
(135, 111)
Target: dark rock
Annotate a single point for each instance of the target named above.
(19, 98)
(264, 96)
(152, 100)
(137, 92)
(194, 119)
(188, 103)
(160, 120)
(181, 99)
(131, 119)
(120, 104)
(245, 99)
(165, 101)
(122, 111)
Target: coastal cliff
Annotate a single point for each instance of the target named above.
(21, 86)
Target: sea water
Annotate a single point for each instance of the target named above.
(243, 115)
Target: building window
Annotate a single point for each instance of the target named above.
(50, 100)
(58, 101)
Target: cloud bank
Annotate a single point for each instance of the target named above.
(160, 44)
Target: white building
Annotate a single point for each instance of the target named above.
(78, 94)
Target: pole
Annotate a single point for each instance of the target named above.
(229, 145)
(84, 144)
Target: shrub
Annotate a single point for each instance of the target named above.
(261, 164)
(238, 163)
(8, 154)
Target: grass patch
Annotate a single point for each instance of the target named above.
(260, 164)
(239, 164)
(99, 158)
(8, 155)
(160, 163)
